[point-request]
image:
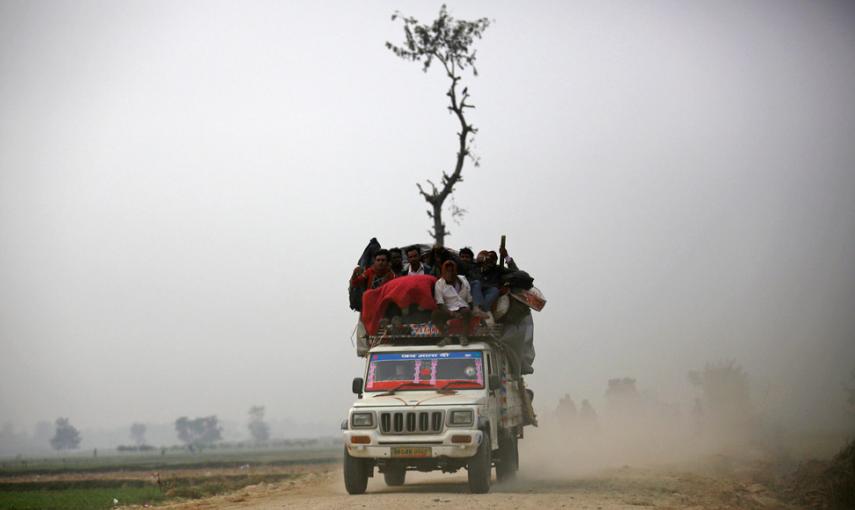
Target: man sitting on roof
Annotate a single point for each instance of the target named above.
(376, 275)
(472, 270)
(466, 265)
(414, 263)
(453, 297)
(435, 258)
(396, 261)
(489, 278)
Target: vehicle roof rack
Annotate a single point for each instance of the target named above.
(428, 334)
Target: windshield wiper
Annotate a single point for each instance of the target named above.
(402, 385)
(457, 381)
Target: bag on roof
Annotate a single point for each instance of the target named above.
(518, 280)
(532, 298)
(367, 257)
(354, 294)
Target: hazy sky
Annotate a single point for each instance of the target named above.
(186, 186)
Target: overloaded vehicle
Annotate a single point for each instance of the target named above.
(424, 404)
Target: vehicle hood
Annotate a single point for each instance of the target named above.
(422, 399)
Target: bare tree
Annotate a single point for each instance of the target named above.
(448, 41)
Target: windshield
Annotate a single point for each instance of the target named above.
(424, 370)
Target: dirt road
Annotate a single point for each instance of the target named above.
(610, 489)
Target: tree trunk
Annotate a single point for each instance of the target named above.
(438, 225)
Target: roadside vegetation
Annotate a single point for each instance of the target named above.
(45, 496)
(147, 478)
(320, 452)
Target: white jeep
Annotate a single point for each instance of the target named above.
(428, 408)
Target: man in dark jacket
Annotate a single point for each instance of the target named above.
(466, 264)
(489, 278)
(396, 261)
(471, 269)
(518, 331)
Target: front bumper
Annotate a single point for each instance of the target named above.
(380, 445)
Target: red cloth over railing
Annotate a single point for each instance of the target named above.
(405, 291)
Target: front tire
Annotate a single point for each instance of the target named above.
(509, 458)
(481, 467)
(394, 476)
(355, 474)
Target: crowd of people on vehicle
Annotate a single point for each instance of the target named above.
(467, 287)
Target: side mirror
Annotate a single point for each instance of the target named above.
(357, 385)
(494, 382)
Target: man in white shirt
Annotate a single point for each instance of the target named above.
(414, 263)
(453, 298)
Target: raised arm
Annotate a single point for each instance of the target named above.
(511, 264)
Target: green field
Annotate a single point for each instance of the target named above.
(172, 460)
(84, 482)
(77, 499)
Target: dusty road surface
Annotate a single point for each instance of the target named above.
(678, 487)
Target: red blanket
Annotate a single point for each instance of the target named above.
(415, 289)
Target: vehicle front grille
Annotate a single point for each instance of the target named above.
(411, 422)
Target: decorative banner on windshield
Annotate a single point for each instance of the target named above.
(402, 371)
(401, 356)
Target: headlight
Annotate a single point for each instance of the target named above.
(362, 420)
(461, 418)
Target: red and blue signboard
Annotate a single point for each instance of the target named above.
(425, 370)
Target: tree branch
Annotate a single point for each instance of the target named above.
(449, 42)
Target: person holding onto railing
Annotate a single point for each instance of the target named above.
(486, 283)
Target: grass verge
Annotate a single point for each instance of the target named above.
(100, 494)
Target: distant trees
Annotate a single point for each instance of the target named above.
(198, 432)
(622, 389)
(588, 420)
(576, 422)
(258, 428)
(724, 405)
(140, 448)
(65, 437)
(450, 42)
(566, 411)
(623, 399)
(138, 433)
(724, 388)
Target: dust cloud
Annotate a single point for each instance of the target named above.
(720, 429)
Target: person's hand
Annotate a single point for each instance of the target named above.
(357, 271)
(503, 252)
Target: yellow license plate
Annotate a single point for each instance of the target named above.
(411, 451)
